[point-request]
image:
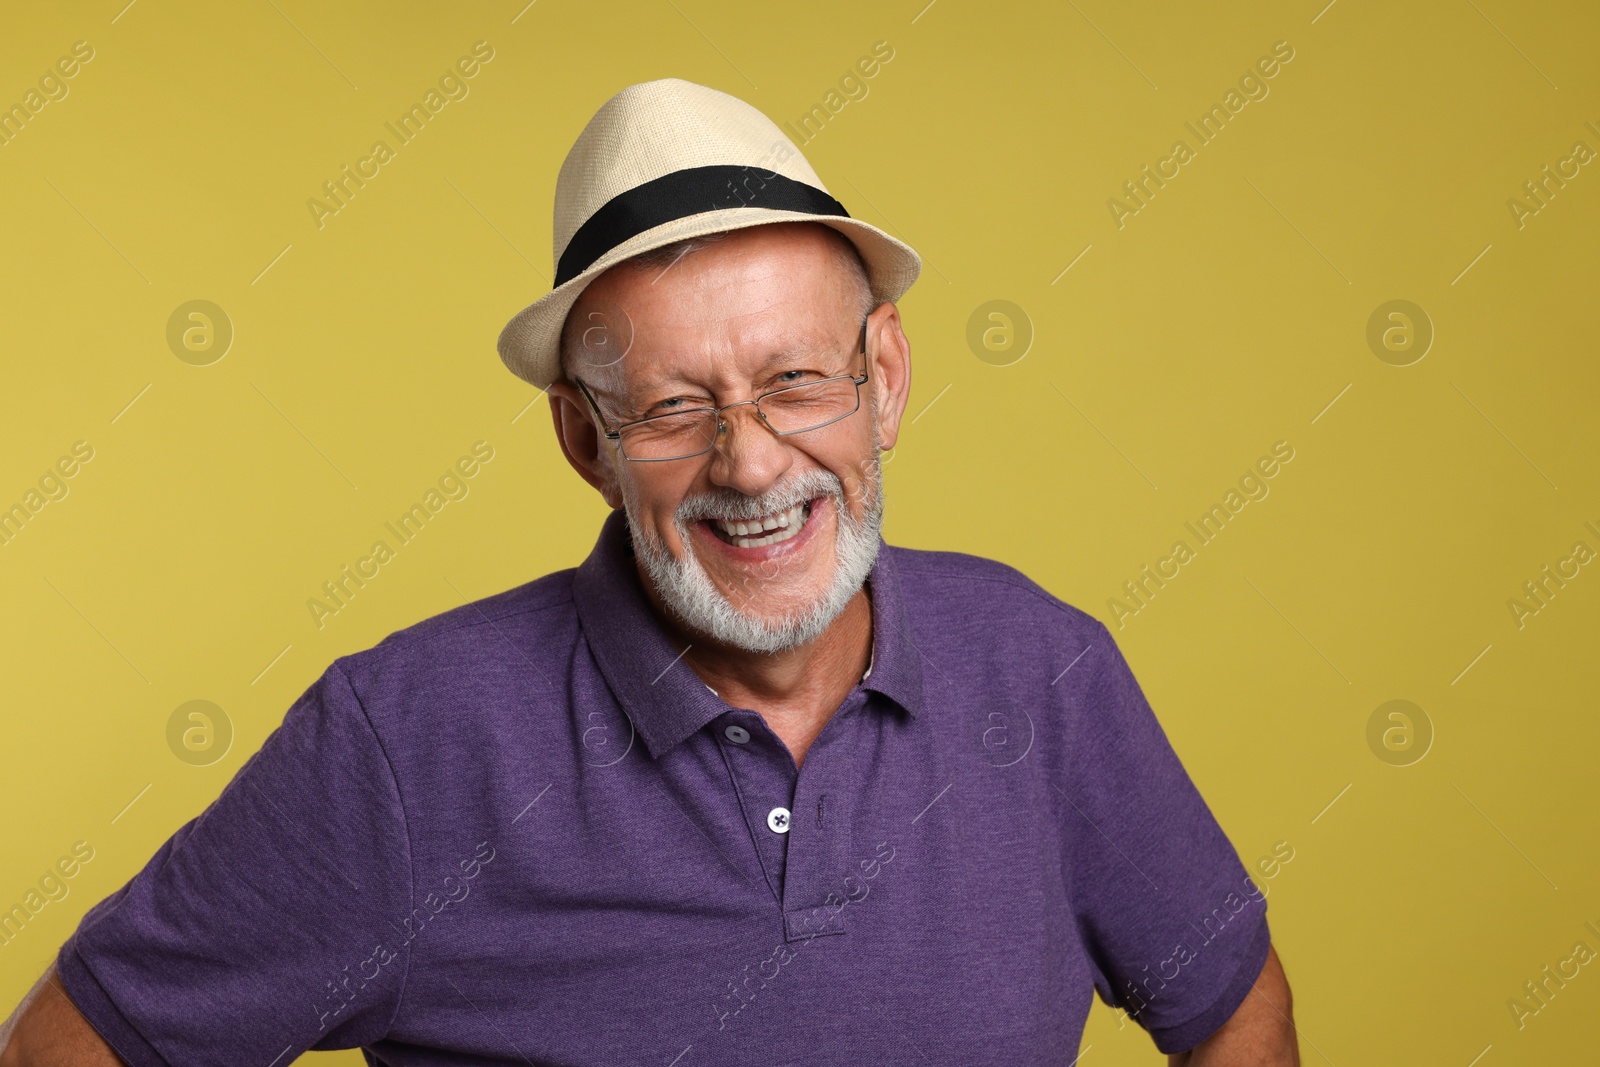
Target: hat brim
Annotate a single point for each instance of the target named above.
(530, 344)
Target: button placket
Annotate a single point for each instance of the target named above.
(763, 777)
(816, 883)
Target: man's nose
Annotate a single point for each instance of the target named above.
(747, 455)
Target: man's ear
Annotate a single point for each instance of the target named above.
(582, 441)
(889, 363)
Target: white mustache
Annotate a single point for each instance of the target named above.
(736, 507)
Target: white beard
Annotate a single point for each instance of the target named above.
(693, 597)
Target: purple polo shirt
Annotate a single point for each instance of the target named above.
(524, 832)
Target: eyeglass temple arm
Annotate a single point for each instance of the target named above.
(604, 428)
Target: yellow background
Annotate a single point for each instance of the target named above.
(1229, 313)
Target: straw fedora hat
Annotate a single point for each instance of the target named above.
(665, 160)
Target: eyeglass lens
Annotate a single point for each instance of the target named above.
(795, 409)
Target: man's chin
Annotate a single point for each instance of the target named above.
(772, 610)
(757, 614)
(766, 594)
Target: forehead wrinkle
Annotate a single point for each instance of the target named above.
(723, 363)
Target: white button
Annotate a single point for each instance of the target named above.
(778, 820)
(737, 734)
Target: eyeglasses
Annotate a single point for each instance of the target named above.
(787, 410)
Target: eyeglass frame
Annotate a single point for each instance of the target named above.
(722, 425)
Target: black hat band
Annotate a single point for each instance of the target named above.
(683, 193)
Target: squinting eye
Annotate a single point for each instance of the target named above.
(677, 403)
(672, 405)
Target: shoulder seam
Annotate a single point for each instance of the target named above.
(405, 823)
(1026, 585)
(405, 637)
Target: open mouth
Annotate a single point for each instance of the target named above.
(767, 530)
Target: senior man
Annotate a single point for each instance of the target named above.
(748, 785)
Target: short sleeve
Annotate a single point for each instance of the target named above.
(270, 924)
(1174, 925)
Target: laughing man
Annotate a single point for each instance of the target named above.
(748, 785)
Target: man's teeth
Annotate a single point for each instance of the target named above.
(754, 533)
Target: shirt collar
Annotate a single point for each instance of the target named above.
(665, 700)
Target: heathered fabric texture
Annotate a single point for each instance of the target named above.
(520, 832)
